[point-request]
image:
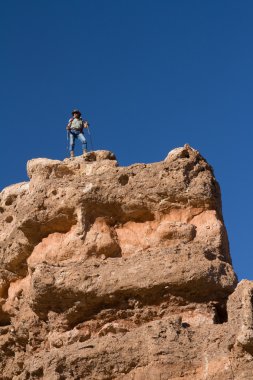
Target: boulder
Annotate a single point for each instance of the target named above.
(111, 272)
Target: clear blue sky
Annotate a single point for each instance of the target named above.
(149, 75)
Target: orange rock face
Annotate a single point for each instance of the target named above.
(112, 272)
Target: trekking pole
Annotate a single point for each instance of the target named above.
(91, 144)
(67, 140)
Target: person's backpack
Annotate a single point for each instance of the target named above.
(76, 124)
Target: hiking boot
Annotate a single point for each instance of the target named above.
(72, 155)
(84, 152)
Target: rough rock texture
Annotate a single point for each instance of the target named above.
(111, 272)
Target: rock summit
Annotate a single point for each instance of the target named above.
(110, 272)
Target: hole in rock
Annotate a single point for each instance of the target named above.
(185, 325)
(1, 210)
(5, 320)
(60, 368)
(184, 154)
(9, 219)
(221, 313)
(123, 179)
(38, 373)
(209, 255)
(9, 200)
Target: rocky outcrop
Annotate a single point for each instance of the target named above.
(112, 272)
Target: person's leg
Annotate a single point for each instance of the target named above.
(83, 141)
(71, 144)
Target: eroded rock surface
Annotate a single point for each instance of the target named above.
(112, 272)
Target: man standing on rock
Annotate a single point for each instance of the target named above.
(75, 131)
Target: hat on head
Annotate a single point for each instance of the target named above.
(76, 111)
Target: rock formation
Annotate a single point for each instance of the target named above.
(110, 272)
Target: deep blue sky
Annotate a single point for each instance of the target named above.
(149, 75)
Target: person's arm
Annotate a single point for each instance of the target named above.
(69, 124)
(85, 124)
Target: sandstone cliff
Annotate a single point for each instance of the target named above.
(111, 272)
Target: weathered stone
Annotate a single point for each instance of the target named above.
(112, 272)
